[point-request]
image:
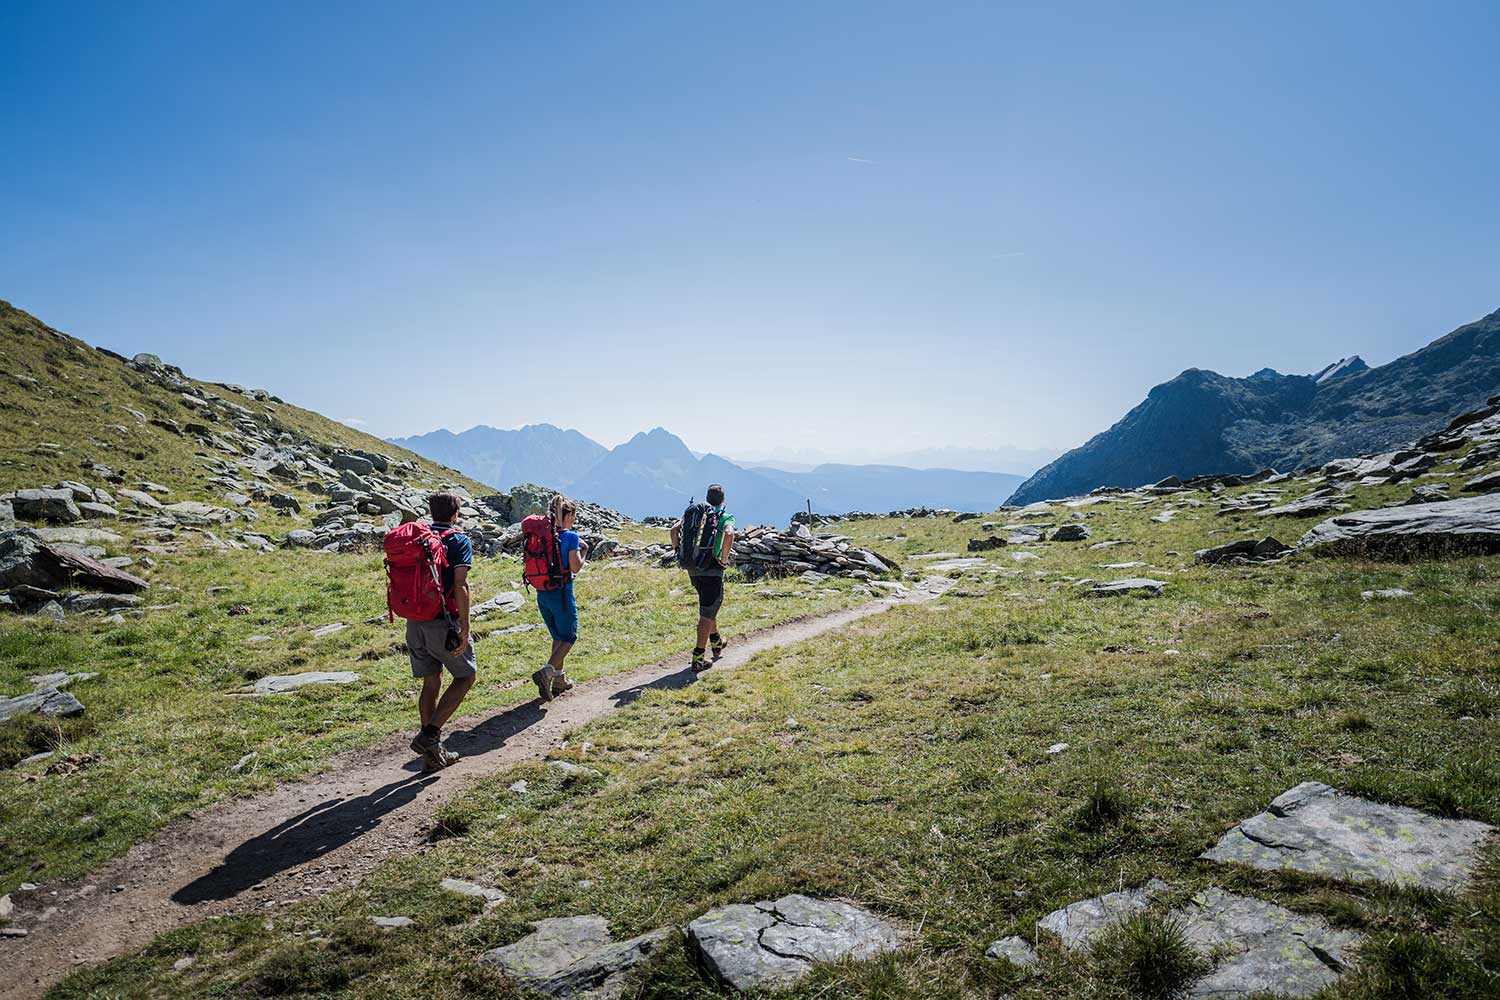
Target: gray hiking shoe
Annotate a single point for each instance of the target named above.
(543, 680)
(430, 749)
(443, 758)
(560, 684)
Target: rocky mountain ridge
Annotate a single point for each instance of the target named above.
(1202, 422)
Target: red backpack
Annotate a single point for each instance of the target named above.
(415, 558)
(542, 567)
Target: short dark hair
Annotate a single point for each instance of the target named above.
(715, 494)
(444, 506)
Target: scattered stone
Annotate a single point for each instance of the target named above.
(1431, 493)
(244, 762)
(1135, 585)
(141, 499)
(1392, 594)
(1258, 947)
(504, 603)
(1471, 524)
(1024, 556)
(1072, 533)
(772, 944)
(571, 956)
(1246, 550)
(572, 770)
(1058, 748)
(47, 701)
(1077, 923)
(1314, 829)
(78, 536)
(1015, 950)
(53, 506)
(987, 543)
(13, 932)
(519, 787)
(184, 964)
(491, 896)
(52, 611)
(329, 629)
(1488, 483)
(301, 538)
(280, 683)
(392, 923)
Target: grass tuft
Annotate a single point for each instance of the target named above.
(1105, 804)
(1147, 955)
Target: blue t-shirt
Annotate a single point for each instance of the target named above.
(567, 542)
(460, 553)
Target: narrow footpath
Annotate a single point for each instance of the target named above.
(328, 831)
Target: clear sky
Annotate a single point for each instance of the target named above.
(764, 226)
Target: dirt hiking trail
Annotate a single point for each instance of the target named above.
(328, 831)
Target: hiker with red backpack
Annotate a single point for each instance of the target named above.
(427, 583)
(552, 553)
(704, 541)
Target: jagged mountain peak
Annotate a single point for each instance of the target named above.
(1351, 365)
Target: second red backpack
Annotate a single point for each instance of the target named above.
(415, 558)
(542, 568)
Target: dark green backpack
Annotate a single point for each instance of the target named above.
(700, 531)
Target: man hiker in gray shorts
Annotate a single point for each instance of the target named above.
(425, 640)
(705, 556)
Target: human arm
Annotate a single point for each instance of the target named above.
(676, 534)
(726, 550)
(461, 605)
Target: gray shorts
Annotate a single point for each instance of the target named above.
(428, 657)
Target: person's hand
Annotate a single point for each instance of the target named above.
(463, 640)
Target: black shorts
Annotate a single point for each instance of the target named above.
(710, 594)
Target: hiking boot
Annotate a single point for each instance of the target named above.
(443, 758)
(543, 681)
(700, 664)
(560, 684)
(430, 748)
(717, 648)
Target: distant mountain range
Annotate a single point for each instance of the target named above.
(1202, 422)
(655, 473)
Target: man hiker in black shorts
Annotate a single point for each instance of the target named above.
(426, 641)
(704, 540)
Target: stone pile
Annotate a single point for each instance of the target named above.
(761, 551)
(803, 517)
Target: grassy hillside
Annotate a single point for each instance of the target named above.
(55, 389)
(904, 764)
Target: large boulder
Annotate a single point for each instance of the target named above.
(1246, 549)
(28, 561)
(53, 506)
(1469, 525)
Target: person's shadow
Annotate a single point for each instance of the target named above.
(671, 682)
(308, 835)
(333, 823)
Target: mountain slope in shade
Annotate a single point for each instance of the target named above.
(834, 488)
(1202, 422)
(536, 453)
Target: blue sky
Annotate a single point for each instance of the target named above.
(772, 227)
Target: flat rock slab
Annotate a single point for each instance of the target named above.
(1259, 947)
(1314, 829)
(1135, 585)
(573, 956)
(1078, 923)
(505, 603)
(1015, 950)
(949, 564)
(772, 944)
(47, 701)
(1468, 525)
(279, 683)
(490, 895)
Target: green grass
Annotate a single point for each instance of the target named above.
(916, 779)
(163, 737)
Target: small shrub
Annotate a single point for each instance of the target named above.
(1473, 697)
(1353, 722)
(450, 821)
(1105, 804)
(1147, 955)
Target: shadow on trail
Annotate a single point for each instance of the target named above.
(306, 836)
(671, 682)
(331, 824)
